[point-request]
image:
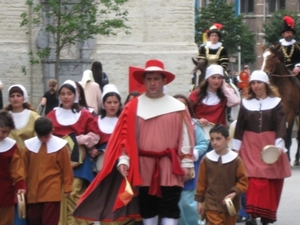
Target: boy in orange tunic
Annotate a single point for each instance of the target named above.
(48, 170)
(221, 175)
(11, 170)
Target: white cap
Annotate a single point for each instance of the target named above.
(213, 70)
(73, 84)
(260, 76)
(25, 94)
(107, 89)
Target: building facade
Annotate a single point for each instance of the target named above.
(255, 14)
(159, 29)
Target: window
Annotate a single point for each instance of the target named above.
(247, 6)
(274, 5)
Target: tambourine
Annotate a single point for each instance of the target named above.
(230, 207)
(206, 129)
(270, 154)
(21, 206)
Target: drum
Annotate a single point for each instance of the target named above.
(21, 206)
(270, 154)
(230, 207)
(77, 152)
(206, 130)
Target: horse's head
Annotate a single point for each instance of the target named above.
(201, 65)
(271, 59)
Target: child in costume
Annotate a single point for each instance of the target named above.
(221, 175)
(12, 177)
(48, 172)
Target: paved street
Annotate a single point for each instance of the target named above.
(289, 208)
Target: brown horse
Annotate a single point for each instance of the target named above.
(288, 87)
(200, 65)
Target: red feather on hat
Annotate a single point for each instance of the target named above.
(218, 25)
(289, 21)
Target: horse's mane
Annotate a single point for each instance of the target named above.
(279, 68)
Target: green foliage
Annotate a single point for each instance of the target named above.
(74, 21)
(234, 32)
(272, 29)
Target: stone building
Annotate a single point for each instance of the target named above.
(159, 29)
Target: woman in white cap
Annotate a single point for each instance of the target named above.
(109, 115)
(261, 122)
(24, 117)
(212, 97)
(70, 119)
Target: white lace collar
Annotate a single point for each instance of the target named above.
(6, 144)
(286, 43)
(214, 156)
(53, 145)
(213, 46)
(66, 117)
(261, 104)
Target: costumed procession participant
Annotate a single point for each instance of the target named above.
(213, 51)
(261, 122)
(210, 100)
(50, 98)
(100, 77)
(82, 100)
(110, 112)
(132, 95)
(12, 177)
(91, 90)
(48, 171)
(69, 119)
(152, 147)
(288, 46)
(222, 175)
(24, 117)
(188, 206)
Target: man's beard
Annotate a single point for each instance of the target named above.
(288, 38)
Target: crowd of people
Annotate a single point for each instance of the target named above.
(87, 157)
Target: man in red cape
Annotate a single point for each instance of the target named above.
(150, 151)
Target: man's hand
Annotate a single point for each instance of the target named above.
(123, 169)
(296, 70)
(21, 191)
(200, 208)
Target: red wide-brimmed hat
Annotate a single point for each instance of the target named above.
(153, 65)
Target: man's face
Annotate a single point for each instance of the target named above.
(214, 38)
(154, 83)
(288, 35)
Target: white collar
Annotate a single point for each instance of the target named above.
(21, 118)
(151, 107)
(66, 116)
(286, 43)
(213, 46)
(261, 104)
(211, 98)
(107, 124)
(214, 156)
(7, 144)
(54, 144)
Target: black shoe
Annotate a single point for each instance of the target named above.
(251, 222)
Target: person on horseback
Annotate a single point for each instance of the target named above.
(213, 51)
(288, 46)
